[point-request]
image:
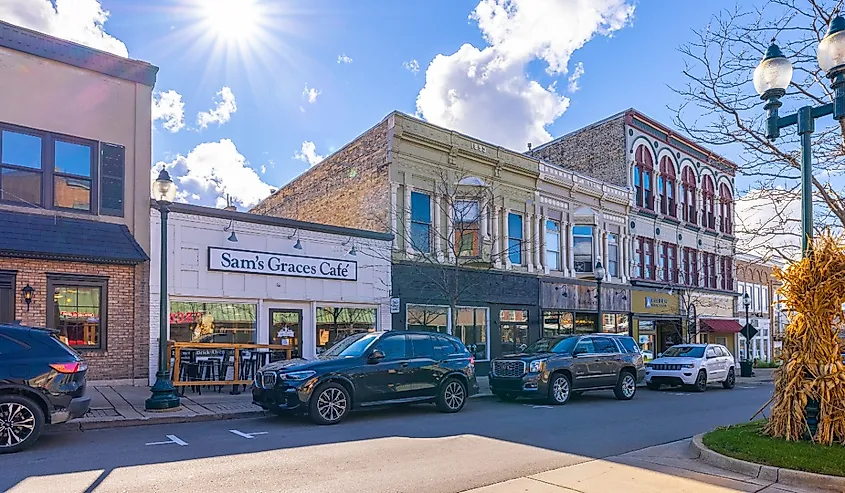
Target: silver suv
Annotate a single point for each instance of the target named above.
(555, 368)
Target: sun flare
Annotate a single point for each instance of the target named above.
(234, 20)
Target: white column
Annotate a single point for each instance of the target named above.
(437, 243)
(528, 241)
(482, 222)
(496, 252)
(597, 253)
(623, 257)
(541, 230)
(407, 225)
(570, 252)
(505, 213)
(658, 251)
(394, 214)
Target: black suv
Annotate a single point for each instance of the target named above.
(554, 368)
(42, 381)
(370, 369)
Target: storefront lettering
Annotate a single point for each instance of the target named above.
(231, 260)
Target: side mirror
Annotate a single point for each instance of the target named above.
(659, 355)
(376, 356)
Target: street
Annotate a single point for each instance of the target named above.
(410, 449)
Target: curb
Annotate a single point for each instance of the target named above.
(767, 473)
(163, 420)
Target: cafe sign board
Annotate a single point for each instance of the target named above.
(654, 302)
(280, 264)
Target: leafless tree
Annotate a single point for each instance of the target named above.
(721, 108)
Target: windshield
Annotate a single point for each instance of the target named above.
(350, 347)
(554, 345)
(684, 352)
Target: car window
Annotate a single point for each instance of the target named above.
(629, 344)
(684, 352)
(711, 352)
(725, 352)
(394, 347)
(585, 345)
(421, 346)
(9, 345)
(604, 345)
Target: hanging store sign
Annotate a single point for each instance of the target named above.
(280, 264)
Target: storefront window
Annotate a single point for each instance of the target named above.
(585, 323)
(471, 328)
(646, 339)
(513, 327)
(336, 323)
(77, 314)
(428, 317)
(230, 323)
(556, 323)
(614, 323)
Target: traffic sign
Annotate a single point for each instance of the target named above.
(749, 331)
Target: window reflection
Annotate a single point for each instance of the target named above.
(230, 323)
(335, 324)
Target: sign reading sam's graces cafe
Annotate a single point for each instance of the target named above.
(252, 262)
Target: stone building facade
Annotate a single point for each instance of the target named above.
(754, 277)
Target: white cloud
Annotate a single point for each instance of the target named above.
(210, 171)
(222, 113)
(80, 21)
(311, 94)
(472, 87)
(169, 107)
(343, 59)
(263, 169)
(412, 66)
(576, 74)
(308, 154)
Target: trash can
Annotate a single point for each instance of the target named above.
(746, 369)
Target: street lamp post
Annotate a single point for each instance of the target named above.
(163, 393)
(598, 272)
(771, 78)
(746, 301)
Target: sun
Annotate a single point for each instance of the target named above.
(232, 20)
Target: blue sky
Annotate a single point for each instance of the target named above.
(629, 57)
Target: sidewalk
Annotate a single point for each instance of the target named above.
(670, 468)
(114, 406)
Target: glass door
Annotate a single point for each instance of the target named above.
(286, 328)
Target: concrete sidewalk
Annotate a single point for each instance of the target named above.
(670, 468)
(113, 406)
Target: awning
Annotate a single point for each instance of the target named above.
(720, 325)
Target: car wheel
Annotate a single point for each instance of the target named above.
(626, 386)
(329, 404)
(560, 388)
(21, 422)
(700, 381)
(452, 396)
(730, 380)
(506, 396)
(652, 386)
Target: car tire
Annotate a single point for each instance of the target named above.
(730, 380)
(560, 389)
(626, 386)
(652, 386)
(22, 419)
(506, 396)
(329, 404)
(700, 381)
(452, 396)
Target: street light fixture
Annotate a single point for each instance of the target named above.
(598, 273)
(746, 301)
(771, 78)
(163, 393)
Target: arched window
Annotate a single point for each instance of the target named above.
(688, 188)
(666, 187)
(708, 199)
(642, 178)
(725, 209)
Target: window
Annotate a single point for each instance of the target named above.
(8, 295)
(394, 347)
(72, 175)
(444, 347)
(553, 245)
(708, 192)
(709, 268)
(513, 328)
(585, 346)
(603, 345)
(20, 167)
(428, 317)
(582, 248)
(337, 323)
(9, 345)
(613, 255)
(725, 206)
(466, 220)
(76, 308)
(645, 258)
(471, 329)
(422, 346)
(666, 186)
(515, 238)
(695, 273)
(629, 344)
(669, 262)
(688, 195)
(556, 323)
(197, 321)
(690, 267)
(727, 275)
(642, 178)
(420, 222)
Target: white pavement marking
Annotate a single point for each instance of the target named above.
(248, 435)
(539, 407)
(171, 439)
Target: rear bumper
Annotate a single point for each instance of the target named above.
(77, 407)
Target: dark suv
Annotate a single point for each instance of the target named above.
(42, 381)
(554, 368)
(370, 369)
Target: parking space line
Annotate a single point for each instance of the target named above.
(170, 439)
(248, 435)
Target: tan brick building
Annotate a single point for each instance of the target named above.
(75, 144)
(754, 277)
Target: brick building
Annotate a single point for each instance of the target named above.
(754, 277)
(75, 143)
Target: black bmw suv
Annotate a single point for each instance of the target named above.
(370, 369)
(42, 381)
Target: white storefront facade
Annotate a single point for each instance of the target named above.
(273, 281)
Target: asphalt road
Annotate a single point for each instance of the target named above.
(409, 449)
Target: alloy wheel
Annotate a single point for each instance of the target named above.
(331, 404)
(17, 423)
(453, 395)
(629, 385)
(560, 389)
(701, 381)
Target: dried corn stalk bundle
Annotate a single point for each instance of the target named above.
(812, 370)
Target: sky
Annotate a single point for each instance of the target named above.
(251, 93)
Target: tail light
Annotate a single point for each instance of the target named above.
(74, 367)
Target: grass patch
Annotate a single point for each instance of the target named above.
(747, 442)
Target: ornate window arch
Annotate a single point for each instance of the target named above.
(666, 183)
(725, 209)
(708, 202)
(643, 186)
(688, 189)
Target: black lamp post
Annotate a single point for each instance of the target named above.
(746, 301)
(598, 272)
(771, 78)
(163, 393)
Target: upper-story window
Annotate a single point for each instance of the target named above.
(645, 258)
(727, 273)
(669, 262)
(666, 187)
(642, 178)
(613, 255)
(708, 205)
(553, 244)
(725, 209)
(688, 208)
(515, 238)
(582, 248)
(466, 221)
(421, 222)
